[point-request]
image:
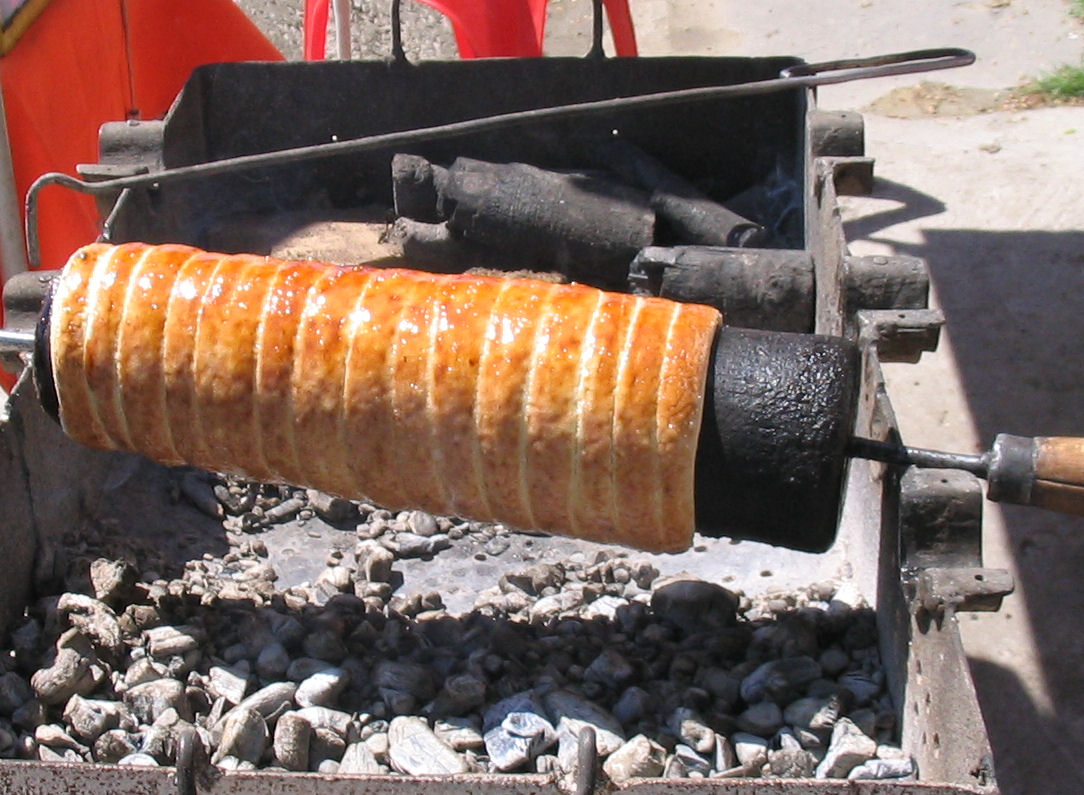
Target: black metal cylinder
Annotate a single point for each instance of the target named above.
(772, 453)
(42, 358)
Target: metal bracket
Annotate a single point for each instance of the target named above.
(937, 591)
(853, 176)
(941, 546)
(901, 335)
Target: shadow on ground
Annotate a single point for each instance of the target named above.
(1014, 306)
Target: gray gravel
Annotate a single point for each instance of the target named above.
(677, 676)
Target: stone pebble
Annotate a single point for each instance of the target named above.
(677, 677)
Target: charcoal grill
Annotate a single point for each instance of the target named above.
(910, 540)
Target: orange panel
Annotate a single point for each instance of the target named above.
(70, 72)
(63, 79)
(167, 39)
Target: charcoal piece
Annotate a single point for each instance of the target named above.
(585, 226)
(414, 189)
(689, 214)
(436, 248)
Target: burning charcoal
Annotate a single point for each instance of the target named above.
(377, 741)
(304, 667)
(410, 545)
(144, 670)
(14, 692)
(138, 760)
(422, 523)
(26, 643)
(691, 761)
(848, 749)
(751, 750)
(404, 677)
(691, 217)
(284, 511)
(791, 762)
(610, 668)
(271, 699)
(635, 702)
(326, 718)
(571, 712)
(237, 498)
(865, 720)
(724, 687)
(534, 579)
(71, 672)
(149, 700)
(639, 757)
(834, 661)
(325, 745)
(55, 737)
(763, 718)
(195, 487)
(693, 605)
(461, 733)
(374, 562)
(690, 728)
(291, 743)
(605, 607)
(459, 695)
(359, 759)
(804, 711)
(157, 739)
(90, 718)
(30, 715)
(112, 746)
(113, 581)
(414, 749)
(334, 580)
(883, 769)
(169, 641)
(725, 758)
(322, 688)
(331, 508)
(516, 731)
(227, 684)
(272, 662)
(244, 736)
(779, 680)
(324, 644)
(864, 687)
(550, 606)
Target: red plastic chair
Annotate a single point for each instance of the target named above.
(617, 12)
(490, 29)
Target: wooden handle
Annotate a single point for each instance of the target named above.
(1045, 471)
(1059, 474)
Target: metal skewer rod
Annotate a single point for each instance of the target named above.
(891, 453)
(16, 341)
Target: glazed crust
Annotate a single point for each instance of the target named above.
(557, 407)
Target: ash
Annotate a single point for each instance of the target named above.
(678, 677)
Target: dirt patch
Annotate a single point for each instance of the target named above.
(938, 99)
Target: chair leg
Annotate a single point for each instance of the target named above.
(315, 29)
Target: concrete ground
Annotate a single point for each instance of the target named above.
(994, 201)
